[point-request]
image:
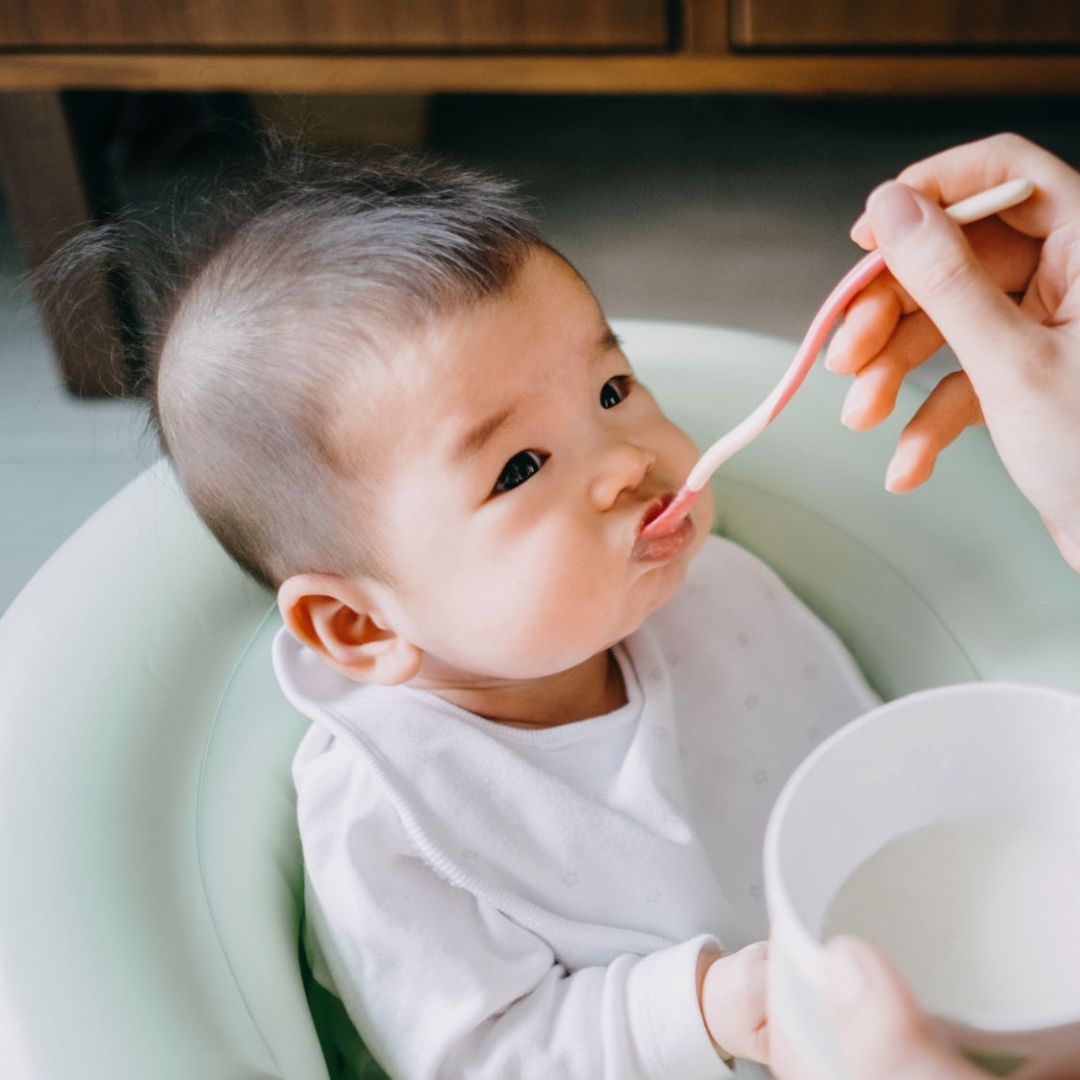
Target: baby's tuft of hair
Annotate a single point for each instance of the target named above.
(264, 305)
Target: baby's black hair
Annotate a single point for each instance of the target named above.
(257, 301)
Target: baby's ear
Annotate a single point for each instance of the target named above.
(336, 618)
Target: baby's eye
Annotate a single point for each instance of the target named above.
(614, 391)
(518, 469)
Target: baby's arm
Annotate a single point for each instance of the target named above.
(441, 985)
(732, 994)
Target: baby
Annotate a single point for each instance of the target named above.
(544, 746)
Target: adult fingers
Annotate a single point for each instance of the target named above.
(785, 1062)
(883, 1033)
(951, 407)
(872, 395)
(868, 324)
(928, 255)
(961, 171)
(1009, 258)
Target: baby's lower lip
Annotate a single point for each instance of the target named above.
(666, 547)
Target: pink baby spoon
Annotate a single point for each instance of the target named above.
(979, 206)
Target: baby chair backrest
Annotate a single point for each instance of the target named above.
(152, 879)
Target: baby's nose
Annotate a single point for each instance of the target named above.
(622, 469)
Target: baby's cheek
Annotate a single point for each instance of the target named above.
(683, 452)
(551, 622)
(555, 632)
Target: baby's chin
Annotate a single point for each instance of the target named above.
(670, 582)
(662, 584)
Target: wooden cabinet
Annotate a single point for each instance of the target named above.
(943, 24)
(536, 46)
(336, 24)
(419, 47)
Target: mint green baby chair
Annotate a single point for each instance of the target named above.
(152, 886)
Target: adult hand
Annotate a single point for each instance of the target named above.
(1021, 361)
(882, 1031)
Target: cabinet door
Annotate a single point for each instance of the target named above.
(336, 24)
(953, 24)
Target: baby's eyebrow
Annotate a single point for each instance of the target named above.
(474, 441)
(609, 340)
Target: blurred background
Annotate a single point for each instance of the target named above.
(698, 160)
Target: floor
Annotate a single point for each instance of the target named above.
(722, 210)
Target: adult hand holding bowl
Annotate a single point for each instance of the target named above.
(946, 825)
(882, 1031)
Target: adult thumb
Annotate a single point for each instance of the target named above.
(883, 1032)
(928, 254)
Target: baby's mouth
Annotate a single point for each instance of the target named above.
(668, 544)
(673, 511)
(655, 509)
(652, 529)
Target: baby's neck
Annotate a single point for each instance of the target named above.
(592, 688)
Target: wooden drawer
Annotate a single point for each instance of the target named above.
(951, 24)
(336, 24)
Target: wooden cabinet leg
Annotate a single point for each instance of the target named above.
(45, 197)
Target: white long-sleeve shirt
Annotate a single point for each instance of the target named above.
(495, 902)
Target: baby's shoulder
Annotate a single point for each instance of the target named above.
(340, 803)
(326, 772)
(330, 766)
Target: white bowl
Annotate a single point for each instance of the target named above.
(1004, 753)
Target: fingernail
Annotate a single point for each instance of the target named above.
(845, 978)
(894, 211)
(898, 468)
(860, 223)
(834, 350)
(855, 403)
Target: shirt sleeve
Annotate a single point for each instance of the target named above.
(442, 986)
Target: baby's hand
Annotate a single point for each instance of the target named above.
(733, 1002)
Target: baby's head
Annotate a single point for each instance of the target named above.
(392, 402)
(301, 291)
